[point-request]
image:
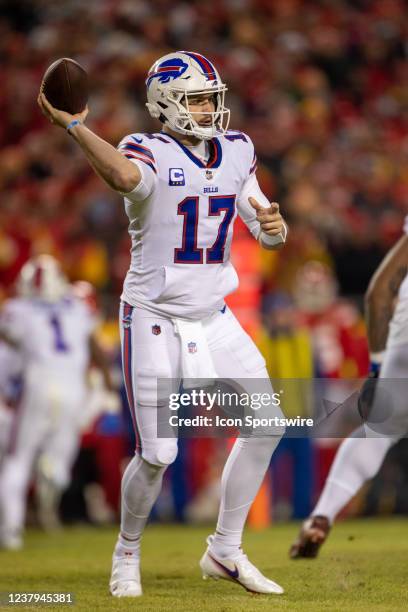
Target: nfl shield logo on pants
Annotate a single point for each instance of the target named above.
(156, 330)
(127, 321)
(192, 347)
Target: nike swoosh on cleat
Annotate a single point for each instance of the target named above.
(139, 140)
(234, 574)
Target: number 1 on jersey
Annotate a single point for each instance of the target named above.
(189, 252)
(59, 341)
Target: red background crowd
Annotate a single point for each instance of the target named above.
(319, 86)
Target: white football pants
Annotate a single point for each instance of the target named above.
(150, 350)
(45, 435)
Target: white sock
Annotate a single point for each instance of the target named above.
(127, 547)
(357, 460)
(141, 484)
(14, 479)
(243, 474)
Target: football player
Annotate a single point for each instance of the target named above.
(53, 332)
(360, 456)
(183, 187)
(10, 390)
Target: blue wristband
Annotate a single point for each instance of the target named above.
(72, 124)
(374, 370)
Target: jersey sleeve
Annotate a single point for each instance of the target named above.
(94, 322)
(89, 318)
(251, 189)
(13, 321)
(136, 151)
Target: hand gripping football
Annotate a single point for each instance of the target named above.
(65, 85)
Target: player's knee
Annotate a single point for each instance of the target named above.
(54, 470)
(152, 387)
(61, 478)
(160, 452)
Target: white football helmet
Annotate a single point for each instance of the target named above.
(42, 277)
(172, 80)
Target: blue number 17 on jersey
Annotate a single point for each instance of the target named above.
(190, 253)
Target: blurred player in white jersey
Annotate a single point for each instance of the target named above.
(53, 333)
(183, 188)
(360, 456)
(10, 388)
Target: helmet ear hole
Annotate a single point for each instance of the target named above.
(153, 109)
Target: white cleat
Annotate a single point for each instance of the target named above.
(11, 542)
(238, 569)
(125, 577)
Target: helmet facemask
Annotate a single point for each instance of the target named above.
(185, 121)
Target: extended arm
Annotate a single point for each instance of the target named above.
(116, 170)
(4, 337)
(381, 293)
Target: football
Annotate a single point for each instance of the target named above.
(65, 85)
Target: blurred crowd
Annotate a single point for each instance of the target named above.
(319, 86)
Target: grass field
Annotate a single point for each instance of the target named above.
(363, 567)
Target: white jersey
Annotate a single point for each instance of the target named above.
(52, 338)
(403, 290)
(181, 232)
(10, 371)
(398, 332)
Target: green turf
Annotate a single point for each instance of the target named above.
(363, 567)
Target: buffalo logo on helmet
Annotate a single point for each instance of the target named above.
(167, 70)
